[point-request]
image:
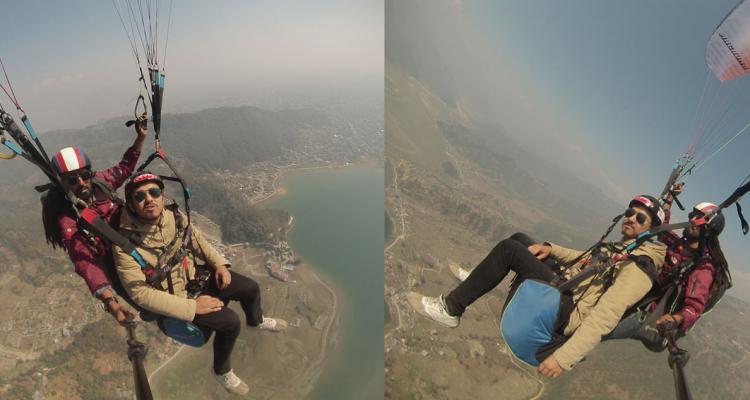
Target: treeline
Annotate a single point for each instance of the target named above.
(239, 221)
(230, 138)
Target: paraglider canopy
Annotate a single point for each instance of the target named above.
(728, 50)
(728, 59)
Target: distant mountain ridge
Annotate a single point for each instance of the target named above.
(436, 136)
(206, 139)
(199, 143)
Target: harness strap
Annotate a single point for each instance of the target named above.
(107, 189)
(170, 285)
(594, 268)
(601, 263)
(676, 200)
(161, 154)
(92, 221)
(162, 269)
(646, 264)
(615, 220)
(742, 219)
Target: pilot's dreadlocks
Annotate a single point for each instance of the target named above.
(722, 278)
(54, 203)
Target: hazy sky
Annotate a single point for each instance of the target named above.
(71, 64)
(612, 88)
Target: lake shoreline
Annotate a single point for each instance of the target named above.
(314, 370)
(279, 191)
(335, 341)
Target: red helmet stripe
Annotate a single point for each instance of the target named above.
(705, 207)
(61, 162)
(645, 201)
(146, 177)
(70, 159)
(79, 157)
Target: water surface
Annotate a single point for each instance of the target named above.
(339, 230)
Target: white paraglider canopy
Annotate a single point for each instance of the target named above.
(728, 50)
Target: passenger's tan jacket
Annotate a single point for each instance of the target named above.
(599, 311)
(155, 239)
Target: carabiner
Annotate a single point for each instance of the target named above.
(141, 100)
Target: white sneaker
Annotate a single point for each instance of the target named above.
(458, 271)
(272, 324)
(232, 383)
(433, 308)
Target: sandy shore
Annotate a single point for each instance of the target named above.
(307, 380)
(312, 372)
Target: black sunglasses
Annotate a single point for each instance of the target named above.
(639, 216)
(140, 195)
(84, 174)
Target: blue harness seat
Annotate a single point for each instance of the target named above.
(528, 322)
(184, 332)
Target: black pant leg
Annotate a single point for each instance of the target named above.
(508, 254)
(523, 238)
(226, 325)
(527, 241)
(242, 289)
